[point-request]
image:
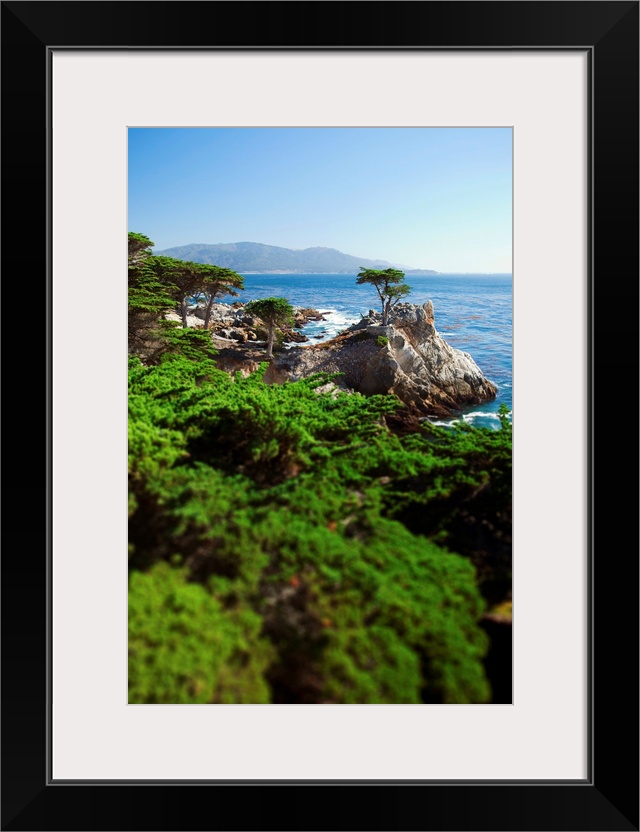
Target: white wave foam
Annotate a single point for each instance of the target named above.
(468, 418)
(339, 316)
(336, 321)
(480, 414)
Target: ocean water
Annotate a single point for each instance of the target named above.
(473, 313)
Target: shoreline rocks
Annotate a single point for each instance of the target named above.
(230, 322)
(407, 358)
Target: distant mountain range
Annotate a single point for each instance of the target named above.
(262, 259)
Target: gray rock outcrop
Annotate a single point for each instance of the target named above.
(230, 322)
(407, 358)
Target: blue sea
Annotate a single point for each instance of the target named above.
(473, 313)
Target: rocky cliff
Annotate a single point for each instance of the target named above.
(407, 358)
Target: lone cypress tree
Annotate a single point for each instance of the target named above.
(389, 286)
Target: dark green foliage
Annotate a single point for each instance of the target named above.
(281, 524)
(182, 280)
(219, 282)
(154, 291)
(461, 497)
(194, 344)
(148, 299)
(138, 246)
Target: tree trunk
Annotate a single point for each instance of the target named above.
(207, 313)
(183, 312)
(270, 336)
(385, 313)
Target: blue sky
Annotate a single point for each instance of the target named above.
(430, 198)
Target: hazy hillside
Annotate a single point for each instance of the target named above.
(257, 257)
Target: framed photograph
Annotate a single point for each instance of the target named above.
(84, 85)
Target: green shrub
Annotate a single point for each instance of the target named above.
(287, 547)
(380, 615)
(382, 340)
(185, 648)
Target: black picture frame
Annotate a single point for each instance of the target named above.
(608, 798)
